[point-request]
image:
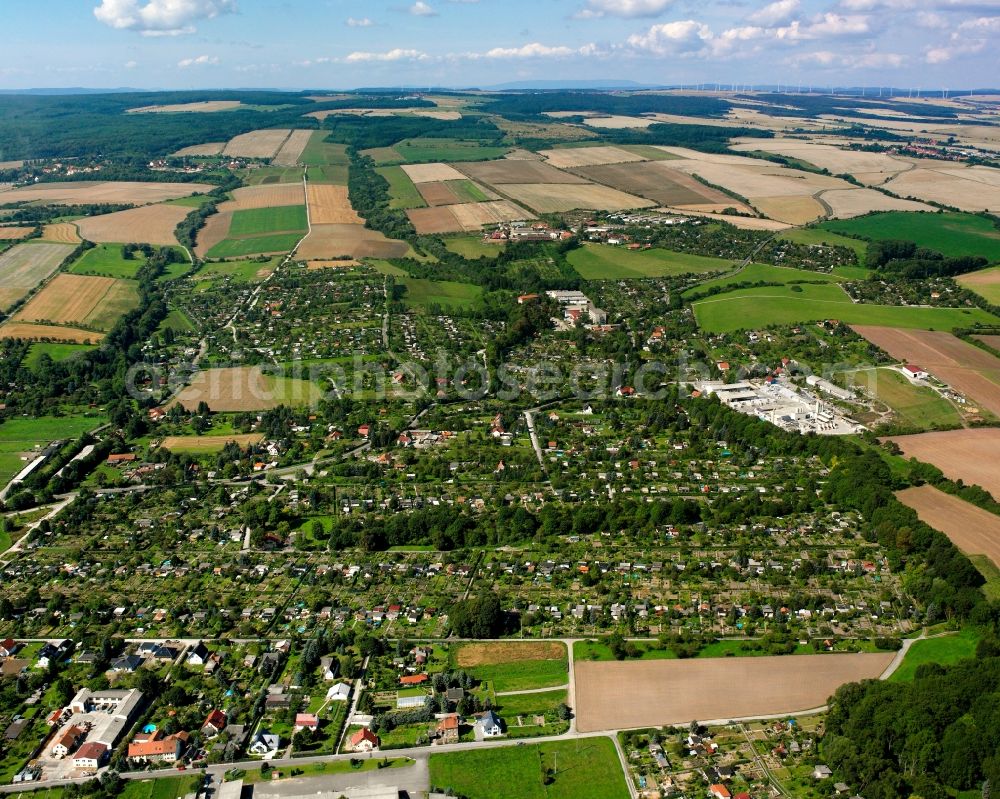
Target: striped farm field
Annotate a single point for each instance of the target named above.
(330, 205)
(62, 233)
(30, 332)
(15, 233)
(80, 300)
(151, 224)
(25, 266)
(209, 443)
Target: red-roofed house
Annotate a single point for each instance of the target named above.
(165, 750)
(364, 740)
(90, 756)
(413, 679)
(214, 724)
(719, 791)
(306, 721)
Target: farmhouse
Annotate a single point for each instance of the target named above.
(68, 741)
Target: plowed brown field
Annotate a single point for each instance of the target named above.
(973, 530)
(967, 455)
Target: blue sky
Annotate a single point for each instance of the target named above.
(346, 43)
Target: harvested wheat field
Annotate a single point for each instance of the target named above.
(967, 369)
(967, 455)
(257, 144)
(25, 266)
(847, 203)
(743, 222)
(345, 263)
(80, 300)
(967, 188)
(30, 332)
(655, 693)
(291, 150)
(207, 149)
(617, 122)
(15, 233)
(588, 156)
(209, 443)
(245, 388)
(465, 217)
(330, 205)
(659, 182)
(497, 173)
(553, 197)
(352, 241)
(973, 530)
(490, 654)
(215, 230)
(269, 195)
(84, 192)
(429, 173)
(878, 167)
(791, 210)
(152, 224)
(204, 107)
(61, 233)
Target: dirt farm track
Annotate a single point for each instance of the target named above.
(653, 693)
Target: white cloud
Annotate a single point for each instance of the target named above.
(595, 9)
(131, 64)
(398, 54)
(364, 22)
(826, 26)
(533, 50)
(198, 61)
(776, 12)
(160, 17)
(421, 9)
(672, 38)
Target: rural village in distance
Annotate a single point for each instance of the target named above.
(538, 441)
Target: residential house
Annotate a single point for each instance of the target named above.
(198, 655)
(822, 772)
(8, 648)
(306, 721)
(68, 741)
(127, 663)
(340, 692)
(156, 748)
(265, 744)
(447, 729)
(364, 740)
(719, 791)
(214, 724)
(489, 725)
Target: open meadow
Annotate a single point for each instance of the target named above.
(604, 262)
(950, 234)
(919, 407)
(654, 693)
(22, 439)
(25, 266)
(465, 217)
(402, 191)
(789, 305)
(985, 282)
(515, 665)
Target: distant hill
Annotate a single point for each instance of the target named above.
(544, 85)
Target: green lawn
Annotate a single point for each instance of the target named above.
(584, 769)
(243, 271)
(604, 262)
(951, 234)
(783, 305)
(178, 321)
(164, 788)
(819, 236)
(256, 221)
(989, 570)
(232, 248)
(473, 247)
(107, 260)
(523, 675)
(919, 406)
(20, 435)
(424, 293)
(526, 704)
(766, 273)
(985, 282)
(427, 150)
(599, 650)
(945, 650)
(55, 350)
(401, 189)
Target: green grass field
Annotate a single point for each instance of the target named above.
(271, 174)
(428, 150)
(523, 675)
(467, 191)
(404, 194)
(783, 305)
(944, 650)
(233, 248)
(321, 153)
(195, 201)
(424, 293)
(257, 221)
(55, 350)
(985, 282)
(20, 435)
(523, 704)
(178, 321)
(819, 236)
(951, 234)
(919, 406)
(766, 273)
(165, 788)
(107, 260)
(583, 769)
(603, 262)
(473, 247)
(242, 271)
(989, 570)
(598, 650)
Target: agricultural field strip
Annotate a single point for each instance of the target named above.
(967, 455)
(973, 530)
(25, 266)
